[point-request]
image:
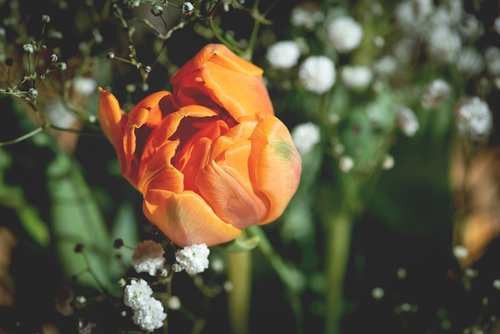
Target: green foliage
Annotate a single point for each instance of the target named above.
(76, 219)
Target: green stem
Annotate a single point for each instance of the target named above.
(240, 264)
(22, 138)
(247, 54)
(339, 241)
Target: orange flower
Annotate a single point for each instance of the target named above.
(209, 159)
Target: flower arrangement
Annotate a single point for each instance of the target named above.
(146, 145)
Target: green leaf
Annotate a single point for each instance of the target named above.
(77, 219)
(34, 225)
(124, 228)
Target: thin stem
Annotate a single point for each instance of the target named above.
(93, 274)
(22, 138)
(339, 241)
(253, 36)
(221, 38)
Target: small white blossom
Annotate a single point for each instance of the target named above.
(444, 44)
(470, 62)
(59, 115)
(437, 92)
(356, 77)
(193, 259)
(346, 164)
(496, 25)
(470, 27)
(217, 264)
(174, 303)
(407, 121)
(148, 257)
(385, 66)
(388, 162)
(492, 56)
(404, 50)
(28, 48)
(84, 86)
(378, 293)
(345, 34)
(150, 315)
(474, 118)
(460, 252)
(137, 293)
(132, 3)
(496, 284)
(228, 286)
(305, 136)
(411, 14)
(317, 74)
(306, 15)
(284, 54)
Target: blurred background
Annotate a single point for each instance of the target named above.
(392, 105)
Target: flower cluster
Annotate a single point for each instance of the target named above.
(148, 311)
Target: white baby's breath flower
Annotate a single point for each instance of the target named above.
(492, 56)
(443, 44)
(385, 66)
(174, 303)
(460, 252)
(193, 259)
(470, 27)
(306, 15)
(59, 115)
(317, 74)
(137, 293)
(305, 136)
(470, 62)
(356, 77)
(437, 92)
(346, 164)
(284, 54)
(496, 25)
(150, 315)
(404, 50)
(84, 86)
(474, 118)
(407, 121)
(411, 14)
(148, 257)
(388, 162)
(345, 34)
(132, 3)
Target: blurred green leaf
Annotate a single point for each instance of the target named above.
(76, 219)
(34, 225)
(124, 228)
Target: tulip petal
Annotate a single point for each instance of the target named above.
(186, 218)
(110, 116)
(230, 81)
(274, 165)
(151, 171)
(195, 160)
(228, 197)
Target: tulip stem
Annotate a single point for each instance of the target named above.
(339, 240)
(240, 275)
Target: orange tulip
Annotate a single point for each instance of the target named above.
(209, 159)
